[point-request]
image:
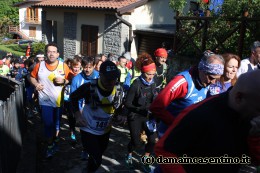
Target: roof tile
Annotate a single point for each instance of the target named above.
(106, 4)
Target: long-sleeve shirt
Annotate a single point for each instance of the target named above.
(207, 129)
(176, 89)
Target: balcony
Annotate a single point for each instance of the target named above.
(32, 20)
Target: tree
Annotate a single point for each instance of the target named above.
(219, 27)
(9, 15)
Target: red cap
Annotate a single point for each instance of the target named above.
(1, 62)
(161, 52)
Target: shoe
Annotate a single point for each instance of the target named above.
(29, 114)
(84, 155)
(73, 138)
(55, 147)
(35, 110)
(49, 152)
(146, 168)
(129, 161)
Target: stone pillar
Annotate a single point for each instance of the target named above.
(70, 30)
(44, 27)
(124, 35)
(112, 35)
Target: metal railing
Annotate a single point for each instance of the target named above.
(12, 123)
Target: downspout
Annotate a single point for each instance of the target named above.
(130, 31)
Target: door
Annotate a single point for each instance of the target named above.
(32, 31)
(89, 40)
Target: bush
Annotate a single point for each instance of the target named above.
(38, 47)
(220, 26)
(16, 47)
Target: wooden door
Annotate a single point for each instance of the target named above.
(89, 40)
(32, 31)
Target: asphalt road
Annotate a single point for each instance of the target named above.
(67, 159)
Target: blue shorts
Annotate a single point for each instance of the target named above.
(51, 119)
(29, 93)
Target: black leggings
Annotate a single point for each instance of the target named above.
(136, 126)
(95, 146)
(70, 115)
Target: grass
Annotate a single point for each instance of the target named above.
(14, 48)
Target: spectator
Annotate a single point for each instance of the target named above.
(29, 50)
(4, 69)
(102, 98)
(49, 78)
(228, 79)
(252, 62)
(17, 72)
(186, 88)
(215, 128)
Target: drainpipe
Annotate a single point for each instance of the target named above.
(130, 31)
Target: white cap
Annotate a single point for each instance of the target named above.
(40, 56)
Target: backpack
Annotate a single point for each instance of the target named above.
(94, 101)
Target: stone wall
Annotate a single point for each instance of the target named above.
(124, 35)
(112, 35)
(70, 29)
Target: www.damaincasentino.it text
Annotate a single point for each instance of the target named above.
(244, 159)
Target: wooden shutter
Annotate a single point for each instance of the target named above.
(36, 17)
(89, 40)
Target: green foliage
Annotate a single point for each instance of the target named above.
(220, 26)
(9, 15)
(10, 48)
(38, 47)
(7, 42)
(178, 5)
(233, 8)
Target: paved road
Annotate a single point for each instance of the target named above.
(67, 159)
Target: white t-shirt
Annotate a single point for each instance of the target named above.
(244, 66)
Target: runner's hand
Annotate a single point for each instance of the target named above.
(39, 87)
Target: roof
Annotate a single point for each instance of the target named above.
(29, 2)
(95, 4)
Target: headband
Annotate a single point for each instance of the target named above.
(149, 67)
(161, 52)
(215, 69)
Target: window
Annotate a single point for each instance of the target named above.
(32, 14)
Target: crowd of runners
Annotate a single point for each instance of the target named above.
(210, 110)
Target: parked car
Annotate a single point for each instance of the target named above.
(24, 41)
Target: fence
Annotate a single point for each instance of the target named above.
(235, 25)
(12, 123)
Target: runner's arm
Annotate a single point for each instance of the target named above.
(177, 88)
(82, 92)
